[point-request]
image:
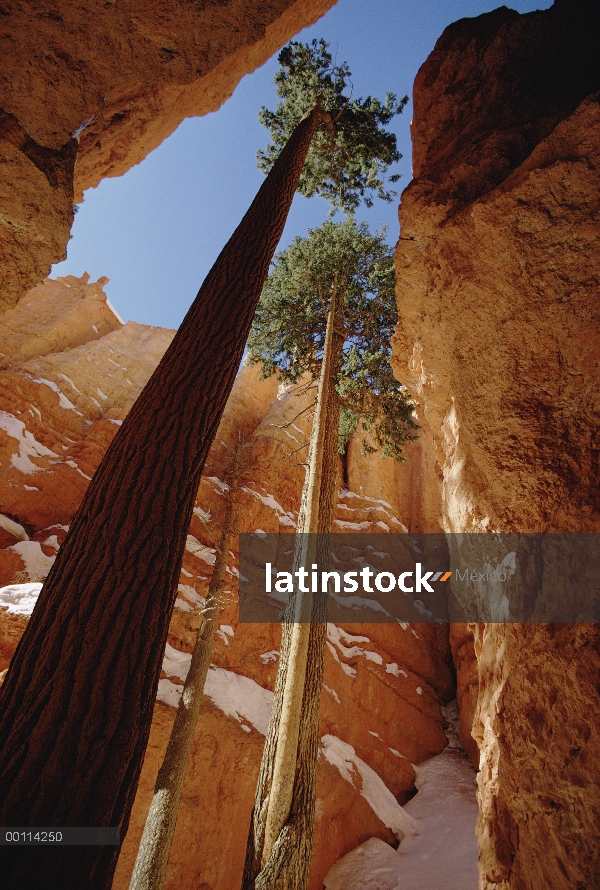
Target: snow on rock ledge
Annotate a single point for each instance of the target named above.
(378, 796)
(442, 853)
(235, 695)
(19, 599)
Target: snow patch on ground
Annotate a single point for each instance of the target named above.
(225, 631)
(169, 693)
(222, 486)
(63, 401)
(335, 635)
(333, 693)
(206, 554)
(19, 599)
(71, 463)
(13, 528)
(239, 697)
(444, 852)
(188, 592)
(182, 605)
(37, 564)
(397, 753)
(235, 695)
(176, 663)
(285, 518)
(268, 657)
(366, 781)
(354, 526)
(68, 379)
(372, 866)
(395, 670)
(347, 669)
(346, 493)
(28, 446)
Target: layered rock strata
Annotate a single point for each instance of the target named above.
(87, 92)
(384, 685)
(499, 340)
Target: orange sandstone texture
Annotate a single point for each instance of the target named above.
(498, 338)
(86, 92)
(384, 685)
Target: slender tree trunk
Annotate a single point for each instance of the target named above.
(152, 859)
(280, 840)
(78, 697)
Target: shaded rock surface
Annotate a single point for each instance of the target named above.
(384, 685)
(498, 338)
(103, 86)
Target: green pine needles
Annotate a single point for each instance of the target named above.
(288, 332)
(347, 161)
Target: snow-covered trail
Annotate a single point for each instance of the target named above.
(444, 852)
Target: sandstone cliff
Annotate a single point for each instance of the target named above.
(86, 92)
(498, 339)
(384, 685)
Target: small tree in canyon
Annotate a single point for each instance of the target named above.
(152, 859)
(78, 697)
(328, 309)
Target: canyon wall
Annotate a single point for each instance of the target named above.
(68, 379)
(87, 91)
(498, 339)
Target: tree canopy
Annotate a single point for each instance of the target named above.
(288, 331)
(347, 161)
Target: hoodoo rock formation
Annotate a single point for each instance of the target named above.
(87, 92)
(385, 686)
(499, 340)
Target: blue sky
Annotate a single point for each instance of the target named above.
(156, 231)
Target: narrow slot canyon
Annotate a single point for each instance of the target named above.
(452, 755)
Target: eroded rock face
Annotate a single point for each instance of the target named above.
(384, 685)
(499, 340)
(105, 85)
(57, 315)
(36, 195)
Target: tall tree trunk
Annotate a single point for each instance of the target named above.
(78, 697)
(280, 839)
(152, 859)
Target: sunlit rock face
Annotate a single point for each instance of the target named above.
(384, 685)
(499, 340)
(87, 91)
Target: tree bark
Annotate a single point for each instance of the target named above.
(152, 859)
(78, 697)
(279, 846)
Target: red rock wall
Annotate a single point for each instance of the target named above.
(499, 340)
(120, 77)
